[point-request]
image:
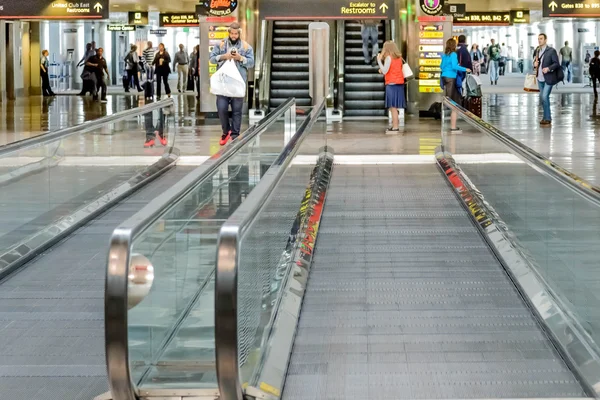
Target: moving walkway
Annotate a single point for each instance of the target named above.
(436, 280)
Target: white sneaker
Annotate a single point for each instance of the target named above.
(456, 131)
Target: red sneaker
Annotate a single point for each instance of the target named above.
(149, 143)
(163, 139)
(225, 138)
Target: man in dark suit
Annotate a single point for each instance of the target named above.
(546, 66)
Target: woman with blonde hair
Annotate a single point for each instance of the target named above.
(390, 66)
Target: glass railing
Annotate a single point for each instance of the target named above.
(549, 222)
(53, 183)
(160, 278)
(256, 247)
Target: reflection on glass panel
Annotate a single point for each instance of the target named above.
(171, 331)
(558, 228)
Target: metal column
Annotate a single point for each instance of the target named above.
(318, 61)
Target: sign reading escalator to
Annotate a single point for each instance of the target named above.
(331, 9)
(57, 9)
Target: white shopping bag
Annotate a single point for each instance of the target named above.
(531, 83)
(228, 81)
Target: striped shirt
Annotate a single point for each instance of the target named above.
(148, 55)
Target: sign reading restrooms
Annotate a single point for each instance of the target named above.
(330, 9)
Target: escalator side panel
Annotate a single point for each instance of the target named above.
(406, 300)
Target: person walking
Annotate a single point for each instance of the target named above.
(132, 62)
(476, 58)
(44, 64)
(450, 69)
(566, 55)
(464, 60)
(148, 56)
(97, 66)
(494, 62)
(162, 65)
(369, 31)
(595, 71)
(547, 66)
(89, 52)
(236, 49)
(195, 69)
(503, 59)
(390, 66)
(181, 60)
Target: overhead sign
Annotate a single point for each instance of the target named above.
(158, 32)
(330, 9)
(120, 28)
(172, 19)
(216, 8)
(520, 16)
(432, 7)
(138, 18)
(571, 8)
(482, 18)
(455, 10)
(57, 9)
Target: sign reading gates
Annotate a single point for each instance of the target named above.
(330, 9)
(120, 28)
(178, 20)
(138, 18)
(571, 8)
(57, 9)
(216, 8)
(432, 7)
(483, 18)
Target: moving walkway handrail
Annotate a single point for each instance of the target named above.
(552, 169)
(115, 302)
(228, 246)
(84, 127)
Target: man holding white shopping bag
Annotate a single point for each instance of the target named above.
(229, 83)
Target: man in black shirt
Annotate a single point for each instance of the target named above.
(97, 65)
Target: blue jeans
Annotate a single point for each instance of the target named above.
(370, 34)
(494, 70)
(566, 66)
(545, 91)
(237, 104)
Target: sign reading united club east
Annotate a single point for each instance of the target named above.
(54, 9)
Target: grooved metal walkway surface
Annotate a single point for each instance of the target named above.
(52, 311)
(406, 301)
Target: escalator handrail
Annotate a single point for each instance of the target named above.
(115, 303)
(552, 169)
(84, 127)
(228, 246)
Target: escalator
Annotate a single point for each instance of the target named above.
(289, 69)
(364, 89)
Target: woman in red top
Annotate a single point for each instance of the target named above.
(390, 65)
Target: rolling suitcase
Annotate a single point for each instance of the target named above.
(473, 104)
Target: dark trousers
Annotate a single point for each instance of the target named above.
(237, 104)
(151, 130)
(197, 79)
(165, 78)
(101, 87)
(133, 73)
(595, 83)
(46, 89)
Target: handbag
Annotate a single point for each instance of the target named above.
(531, 84)
(406, 71)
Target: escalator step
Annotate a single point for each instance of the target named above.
(290, 32)
(290, 49)
(364, 113)
(286, 93)
(364, 95)
(291, 66)
(364, 104)
(292, 24)
(302, 102)
(361, 69)
(289, 75)
(374, 77)
(293, 41)
(301, 58)
(289, 84)
(358, 43)
(360, 86)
